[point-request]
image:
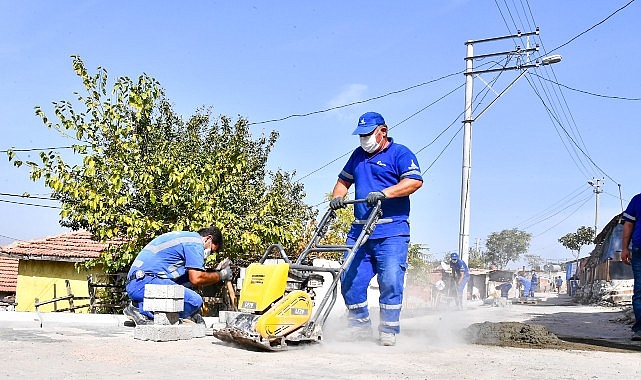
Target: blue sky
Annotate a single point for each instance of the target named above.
(531, 158)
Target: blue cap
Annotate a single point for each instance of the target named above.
(454, 256)
(368, 122)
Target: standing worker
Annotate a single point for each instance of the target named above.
(384, 171)
(631, 254)
(558, 282)
(461, 275)
(525, 283)
(534, 281)
(174, 258)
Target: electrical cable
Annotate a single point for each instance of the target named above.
(28, 204)
(592, 27)
(356, 102)
(574, 142)
(586, 92)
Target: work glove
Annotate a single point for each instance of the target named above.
(224, 270)
(337, 203)
(373, 197)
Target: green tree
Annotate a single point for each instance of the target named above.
(574, 241)
(507, 245)
(419, 264)
(534, 261)
(141, 171)
(477, 258)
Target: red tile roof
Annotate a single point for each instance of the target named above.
(75, 246)
(8, 274)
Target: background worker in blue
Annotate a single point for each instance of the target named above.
(504, 288)
(534, 281)
(175, 258)
(631, 254)
(525, 283)
(461, 275)
(558, 282)
(381, 170)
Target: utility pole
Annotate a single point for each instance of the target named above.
(464, 223)
(596, 183)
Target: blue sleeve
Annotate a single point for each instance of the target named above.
(407, 165)
(194, 256)
(632, 212)
(347, 174)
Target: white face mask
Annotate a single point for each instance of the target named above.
(368, 143)
(207, 252)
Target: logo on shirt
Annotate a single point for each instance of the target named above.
(379, 163)
(413, 166)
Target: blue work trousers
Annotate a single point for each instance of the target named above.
(136, 291)
(386, 258)
(460, 289)
(636, 296)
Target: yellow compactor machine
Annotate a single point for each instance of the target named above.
(276, 305)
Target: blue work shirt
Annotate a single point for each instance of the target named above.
(535, 279)
(170, 254)
(631, 214)
(376, 173)
(458, 267)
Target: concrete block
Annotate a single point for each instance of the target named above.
(167, 333)
(161, 318)
(163, 333)
(164, 305)
(164, 291)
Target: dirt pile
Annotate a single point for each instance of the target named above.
(511, 334)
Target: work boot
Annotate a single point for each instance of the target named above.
(135, 315)
(197, 318)
(361, 333)
(387, 339)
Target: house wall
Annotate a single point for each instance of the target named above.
(45, 280)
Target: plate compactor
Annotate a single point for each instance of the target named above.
(276, 300)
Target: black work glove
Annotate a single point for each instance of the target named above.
(373, 197)
(337, 203)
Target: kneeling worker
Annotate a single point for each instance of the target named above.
(172, 258)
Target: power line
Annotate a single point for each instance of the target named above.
(26, 196)
(36, 149)
(574, 142)
(28, 204)
(592, 27)
(587, 199)
(392, 127)
(356, 102)
(9, 237)
(586, 92)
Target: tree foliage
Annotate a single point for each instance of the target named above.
(419, 265)
(574, 241)
(507, 245)
(477, 258)
(140, 171)
(534, 261)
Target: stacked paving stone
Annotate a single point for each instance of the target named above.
(165, 302)
(615, 292)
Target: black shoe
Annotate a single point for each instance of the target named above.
(636, 336)
(134, 314)
(197, 318)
